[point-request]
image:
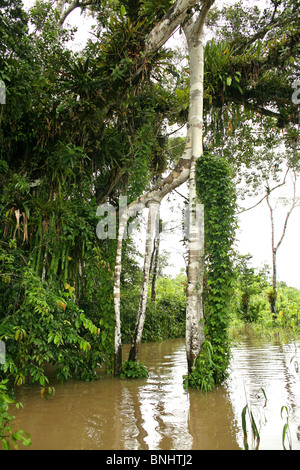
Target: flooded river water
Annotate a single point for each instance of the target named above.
(158, 414)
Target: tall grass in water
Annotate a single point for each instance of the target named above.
(254, 430)
(254, 434)
(286, 432)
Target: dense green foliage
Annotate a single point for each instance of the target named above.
(133, 370)
(165, 318)
(251, 305)
(73, 135)
(49, 257)
(216, 191)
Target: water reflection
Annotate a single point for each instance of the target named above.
(157, 413)
(163, 401)
(266, 376)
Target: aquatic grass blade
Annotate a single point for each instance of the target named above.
(286, 433)
(244, 427)
(255, 431)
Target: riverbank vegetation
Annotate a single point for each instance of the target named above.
(253, 301)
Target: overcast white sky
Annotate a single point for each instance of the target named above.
(255, 231)
(253, 237)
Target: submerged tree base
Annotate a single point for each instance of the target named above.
(133, 370)
(206, 373)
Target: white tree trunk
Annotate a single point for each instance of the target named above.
(71, 6)
(141, 314)
(155, 259)
(193, 150)
(194, 310)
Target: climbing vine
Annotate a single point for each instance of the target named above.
(216, 191)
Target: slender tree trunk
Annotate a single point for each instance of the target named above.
(155, 260)
(194, 310)
(117, 280)
(141, 314)
(273, 294)
(275, 247)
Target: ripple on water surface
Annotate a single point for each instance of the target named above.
(158, 413)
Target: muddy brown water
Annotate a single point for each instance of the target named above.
(158, 414)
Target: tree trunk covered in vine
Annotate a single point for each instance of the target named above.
(193, 29)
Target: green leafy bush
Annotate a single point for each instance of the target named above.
(133, 370)
(8, 437)
(47, 328)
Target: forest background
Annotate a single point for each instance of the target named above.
(83, 127)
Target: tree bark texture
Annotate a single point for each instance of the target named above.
(155, 260)
(275, 247)
(174, 17)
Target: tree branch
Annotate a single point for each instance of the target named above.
(172, 19)
(72, 6)
(199, 24)
(269, 191)
(288, 214)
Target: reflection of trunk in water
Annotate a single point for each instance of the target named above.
(133, 433)
(165, 404)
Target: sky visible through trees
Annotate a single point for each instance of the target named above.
(254, 236)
